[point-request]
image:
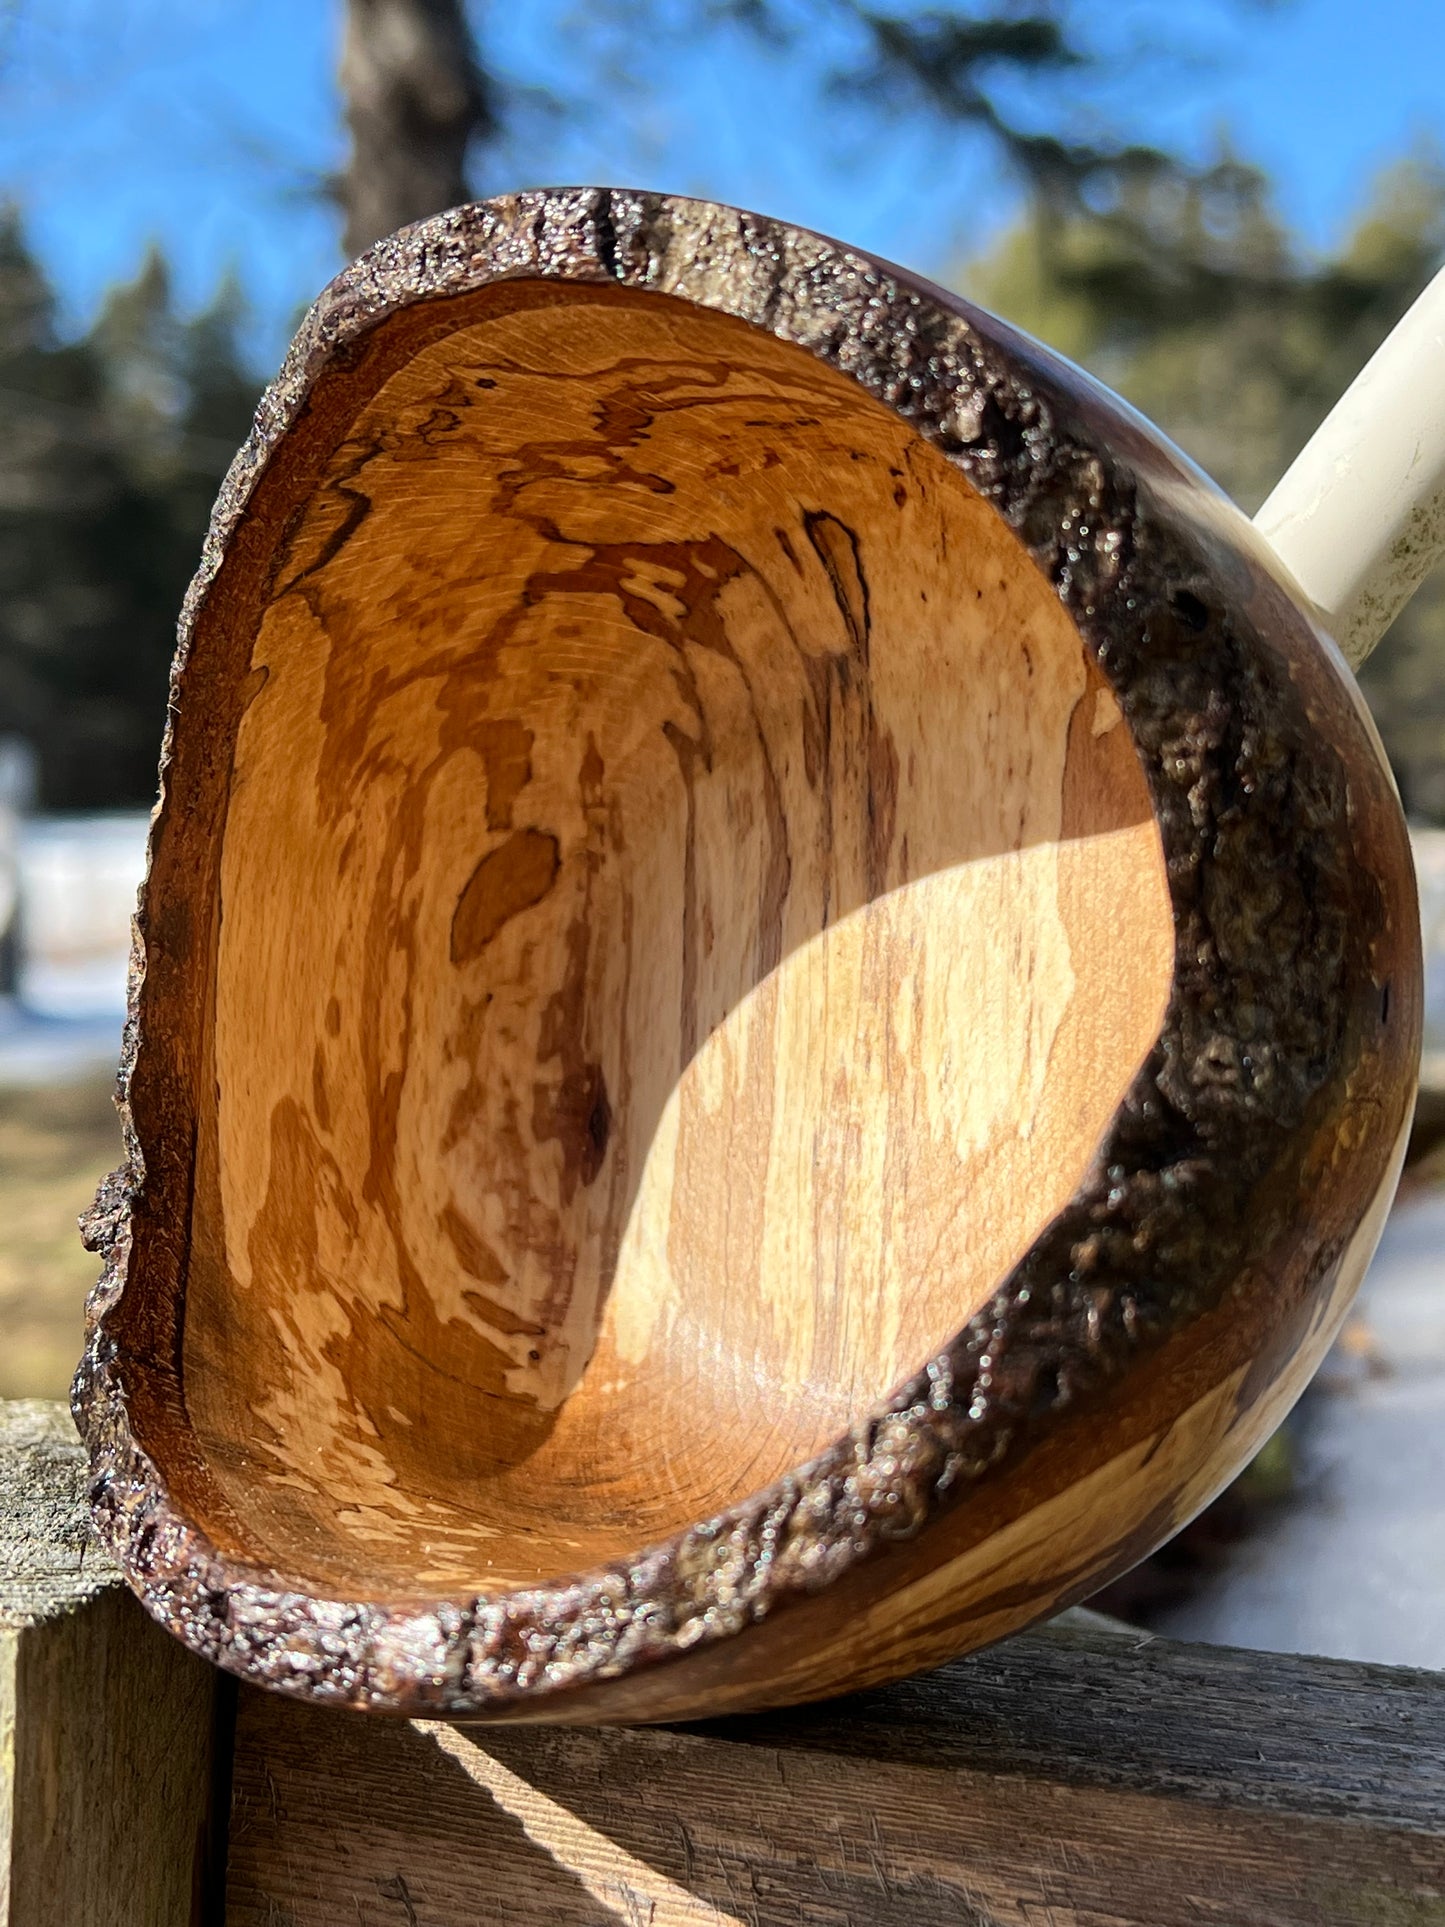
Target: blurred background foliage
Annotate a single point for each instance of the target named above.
(1186, 296)
(111, 451)
(1177, 283)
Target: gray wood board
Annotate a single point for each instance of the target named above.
(107, 1775)
(1003, 1792)
(49, 1562)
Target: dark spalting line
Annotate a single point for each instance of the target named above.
(1071, 1581)
(1041, 1593)
(842, 719)
(836, 547)
(573, 1110)
(514, 877)
(539, 462)
(356, 509)
(1225, 1139)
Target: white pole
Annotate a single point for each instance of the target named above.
(1359, 518)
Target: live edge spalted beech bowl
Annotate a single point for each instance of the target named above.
(776, 1002)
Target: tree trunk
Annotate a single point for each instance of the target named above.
(415, 100)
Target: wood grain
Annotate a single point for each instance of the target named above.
(106, 1725)
(709, 815)
(1076, 1777)
(776, 1003)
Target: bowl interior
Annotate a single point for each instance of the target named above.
(689, 908)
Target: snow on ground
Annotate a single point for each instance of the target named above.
(78, 877)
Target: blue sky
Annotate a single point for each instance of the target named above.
(210, 125)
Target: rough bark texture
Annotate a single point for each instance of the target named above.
(1223, 1204)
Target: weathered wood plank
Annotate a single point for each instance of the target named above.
(105, 1723)
(1070, 1777)
(1119, 1709)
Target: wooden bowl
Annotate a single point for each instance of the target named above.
(776, 1003)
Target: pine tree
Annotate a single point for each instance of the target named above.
(111, 450)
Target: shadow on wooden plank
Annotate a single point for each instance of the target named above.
(1091, 1780)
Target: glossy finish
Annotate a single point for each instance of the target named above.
(779, 990)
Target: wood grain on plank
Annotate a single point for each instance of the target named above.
(106, 1725)
(1078, 1778)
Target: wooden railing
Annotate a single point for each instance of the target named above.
(1079, 1776)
